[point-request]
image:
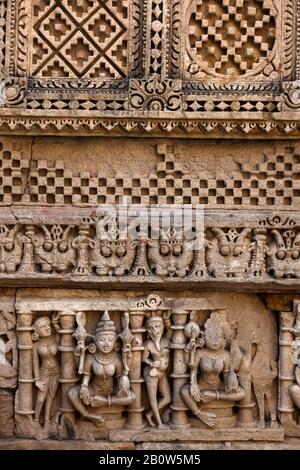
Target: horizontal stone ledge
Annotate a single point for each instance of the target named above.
(236, 434)
(49, 444)
(148, 283)
(239, 218)
(227, 125)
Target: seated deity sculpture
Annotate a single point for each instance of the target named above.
(212, 373)
(105, 381)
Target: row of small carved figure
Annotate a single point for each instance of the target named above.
(229, 252)
(218, 370)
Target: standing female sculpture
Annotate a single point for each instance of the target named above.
(45, 364)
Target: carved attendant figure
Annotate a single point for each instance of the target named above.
(294, 389)
(156, 355)
(212, 375)
(45, 364)
(263, 372)
(104, 366)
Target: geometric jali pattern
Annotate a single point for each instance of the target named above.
(231, 37)
(80, 38)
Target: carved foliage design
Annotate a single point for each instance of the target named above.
(155, 95)
(86, 249)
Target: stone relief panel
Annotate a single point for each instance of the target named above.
(78, 248)
(231, 39)
(115, 61)
(231, 177)
(80, 39)
(118, 367)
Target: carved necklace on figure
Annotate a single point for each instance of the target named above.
(105, 358)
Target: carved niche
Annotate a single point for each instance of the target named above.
(113, 367)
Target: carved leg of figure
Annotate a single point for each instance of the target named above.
(260, 397)
(209, 419)
(41, 397)
(123, 401)
(152, 386)
(98, 400)
(236, 396)
(48, 405)
(53, 387)
(164, 390)
(73, 395)
(295, 394)
(272, 408)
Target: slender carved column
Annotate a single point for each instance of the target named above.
(286, 366)
(179, 374)
(258, 265)
(26, 379)
(156, 36)
(68, 370)
(135, 417)
(27, 264)
(246, 405)
(141, 266)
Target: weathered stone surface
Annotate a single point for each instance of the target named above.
(29, 444)
(6, 413)
(118, 329)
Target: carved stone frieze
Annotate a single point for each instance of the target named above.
(194, 365)
(149, 223)
(115, 62)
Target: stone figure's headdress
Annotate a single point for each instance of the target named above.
(36, 324)
(105, 325)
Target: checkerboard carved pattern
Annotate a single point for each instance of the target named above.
(231, 38)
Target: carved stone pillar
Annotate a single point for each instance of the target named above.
(68, 370)
(286, 366)
(135, 418)
(27, 263)
(258, 266)
(246, 405)
(24, 397)
(179, 373)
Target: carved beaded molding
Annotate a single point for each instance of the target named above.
(159, 67)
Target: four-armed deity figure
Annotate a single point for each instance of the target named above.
(156, 357)
(45, 364)
(212, 375)
(99, 387)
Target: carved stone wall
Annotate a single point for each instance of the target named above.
(132, 341)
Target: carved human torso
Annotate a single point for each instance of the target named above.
(103, 368)
(47, 350)
(210, 366)
(162, 355)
